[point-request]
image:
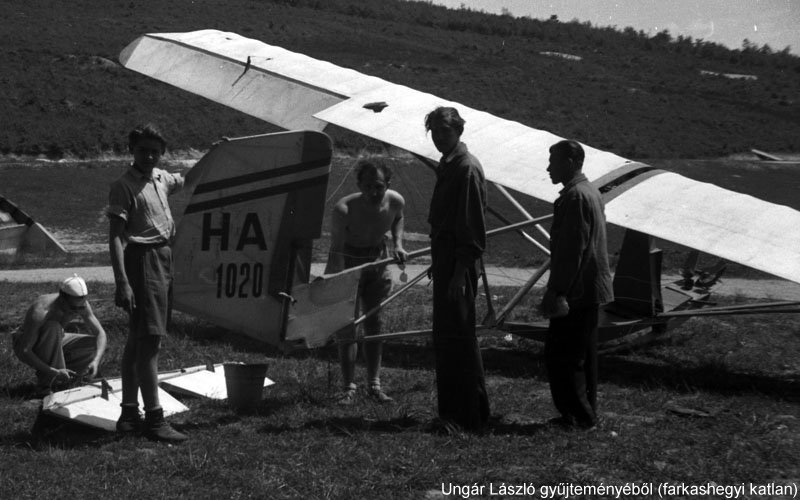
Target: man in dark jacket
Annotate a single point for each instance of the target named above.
(458, 239)
(580, 281)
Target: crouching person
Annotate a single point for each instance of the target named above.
(42, 343)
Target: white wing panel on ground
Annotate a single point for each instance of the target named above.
(87, 404)
(730, 225)
(200, 381)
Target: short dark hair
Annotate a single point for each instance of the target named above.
(446, 116)
(571, 150)
(373, 165)
(146, 131)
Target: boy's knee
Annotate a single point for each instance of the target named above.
(150, 344)
(144, 347)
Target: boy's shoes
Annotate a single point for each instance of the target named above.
(157, 429)
(378, 395)
(130, 420)
(348, 397)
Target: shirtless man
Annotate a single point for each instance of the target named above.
(41, 343)
(358, 236)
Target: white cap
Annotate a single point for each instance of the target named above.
(74, 286)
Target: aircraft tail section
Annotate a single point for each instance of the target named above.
(19, 233)
(245, 236)
(321, 308)
(637, 279)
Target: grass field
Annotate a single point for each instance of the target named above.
(714, 403)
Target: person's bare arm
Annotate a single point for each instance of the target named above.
(123, 297)
(398, 229)
(338, 238)
(100, 339)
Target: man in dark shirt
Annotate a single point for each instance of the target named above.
(458, 239)
(580, 281)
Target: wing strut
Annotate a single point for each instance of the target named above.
(523, 291)
(521, 209)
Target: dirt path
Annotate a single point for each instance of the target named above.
(498, 276)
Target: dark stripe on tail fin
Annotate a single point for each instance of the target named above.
(257, 194)
(260, 176)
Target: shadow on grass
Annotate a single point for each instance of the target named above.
(637, 372)
(631, 370)
(216, 414)
(347, 426)
(23, 391)
(624, 370)
(505, 362)
(49, 432)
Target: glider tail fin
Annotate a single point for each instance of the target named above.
(245, 236)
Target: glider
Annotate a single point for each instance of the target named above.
(20, 233)
(294, 91)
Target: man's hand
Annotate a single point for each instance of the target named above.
(400, 254)
(548, 303)
(91, 370)
(63, 374)
(554, 305)
(456, 287)
(124, 297)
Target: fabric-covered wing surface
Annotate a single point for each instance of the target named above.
(295, 91)
(730, 225)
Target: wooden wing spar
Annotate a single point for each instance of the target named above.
(295, 91)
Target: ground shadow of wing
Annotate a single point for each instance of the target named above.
(348, 425)
(49, 431)
(647, 372)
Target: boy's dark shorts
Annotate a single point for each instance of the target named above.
(149, 270)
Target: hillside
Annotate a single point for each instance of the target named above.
(641, 97)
